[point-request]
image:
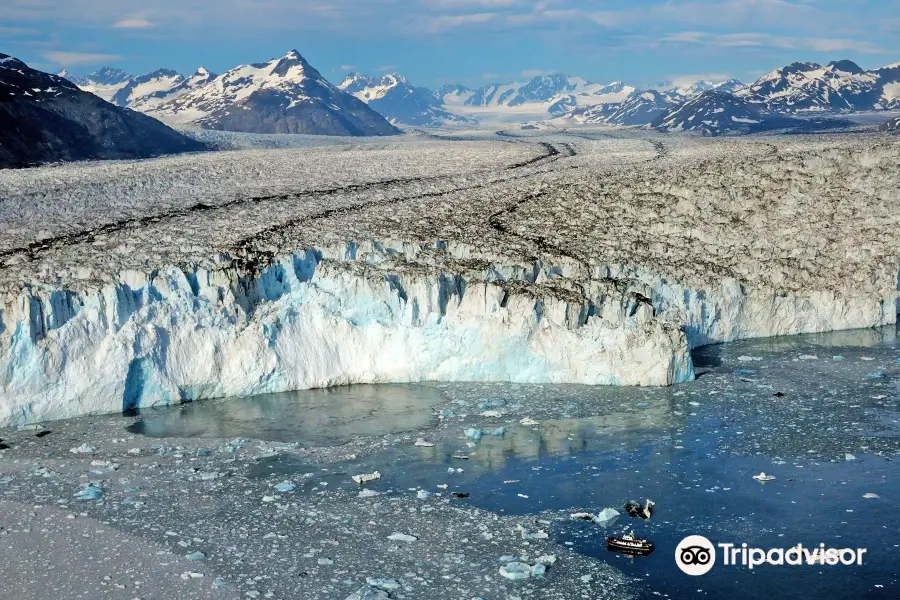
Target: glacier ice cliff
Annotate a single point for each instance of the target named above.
(319, 318)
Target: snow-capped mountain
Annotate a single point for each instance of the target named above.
(892, 125)
(712, 113)
(453, 91)
(47, 118)
(395, 98)
(839, 86)
(640, 108)
(141, 92)
(597, 95)
(104, 82)
(283, 95)
(682, 93)
(542, 97)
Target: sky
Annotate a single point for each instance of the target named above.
(473, 42)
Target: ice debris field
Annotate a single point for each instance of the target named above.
(596, 256)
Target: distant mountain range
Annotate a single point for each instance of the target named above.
(288, 95)
(394, 97)
(802, 89)
(45, 118)
(283, 95)
(838, 86)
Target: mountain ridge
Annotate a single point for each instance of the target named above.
(46, 118)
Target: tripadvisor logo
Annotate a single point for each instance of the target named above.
(696, 555)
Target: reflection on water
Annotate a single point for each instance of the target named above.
(565, 436)
(321, 417)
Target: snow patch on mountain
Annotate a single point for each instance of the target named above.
(711, 113)
(809, 87)
(394, 97)
(105, 82)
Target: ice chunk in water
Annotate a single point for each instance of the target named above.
(90, 492)
(516, 570)
(285, 486)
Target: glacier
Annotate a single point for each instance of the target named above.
(603, 263)
(319, 318)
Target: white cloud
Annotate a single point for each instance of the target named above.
(445, 22)
(133, 23)
(766, 40)
(68, 59)
(347, 67)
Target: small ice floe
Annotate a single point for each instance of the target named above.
(489, 404)
(492, 414)
(808, 357)
(368, 593)
(366, 477)
(102, 467)
(423, 494)
(367, 494)
(516, 571)
(83, 449)
(384, 583)
(605, 517)
(44, 472)
(849, 457)
(90, 492)
(402, 537)
(746, 358)
(871, 496)
(763, 477)
(423, 443)
(285, 486)
(476, 434)
(537, 535)
(195, 556)
(528, 422)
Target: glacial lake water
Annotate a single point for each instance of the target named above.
(821, 413)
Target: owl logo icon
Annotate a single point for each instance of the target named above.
(695, 555)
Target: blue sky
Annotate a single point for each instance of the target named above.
(468, 41)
